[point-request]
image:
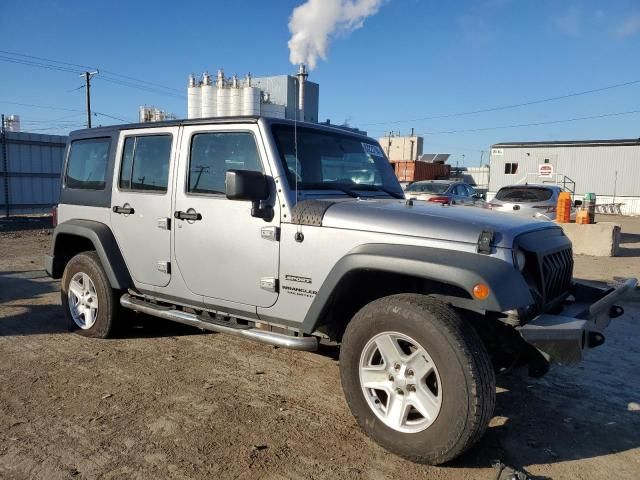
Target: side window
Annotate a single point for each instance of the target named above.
(212, 154)
(145, 163)
(510, 168)
(87, 164)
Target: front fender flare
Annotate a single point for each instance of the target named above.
(508, 289)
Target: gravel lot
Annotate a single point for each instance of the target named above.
(165, 401)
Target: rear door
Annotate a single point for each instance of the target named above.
(141, 202)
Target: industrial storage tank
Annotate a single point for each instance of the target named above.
(250, 101)
(194, 107)
(208, 97)
(222, 95)
(235, 98)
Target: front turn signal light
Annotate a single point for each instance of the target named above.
(480, 291)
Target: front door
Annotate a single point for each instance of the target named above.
(141, 203)
(222, 252)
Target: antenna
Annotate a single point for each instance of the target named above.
(295, 140)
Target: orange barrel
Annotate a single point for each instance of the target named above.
(563, 210)
(582, 217)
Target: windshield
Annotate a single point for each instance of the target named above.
(524, 194)
(428, 187)
(328, 159)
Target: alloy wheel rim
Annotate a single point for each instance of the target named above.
(400, 382)
(83, 300)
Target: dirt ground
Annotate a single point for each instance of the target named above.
(165, 401)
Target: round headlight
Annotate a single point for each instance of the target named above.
(520, 259)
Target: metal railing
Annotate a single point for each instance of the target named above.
(566, 183)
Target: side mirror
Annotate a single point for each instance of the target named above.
(249, 185)
(246, 185)
(577, 203)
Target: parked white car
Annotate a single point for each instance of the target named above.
(537, 201)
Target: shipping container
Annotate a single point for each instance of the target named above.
(407, 171)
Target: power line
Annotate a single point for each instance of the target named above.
(47, 107)
(140, 81)
(37, 64)
(65, 66)
(112, 117)
(507, 107)
(82, 67)
(535, 124)
(141, 87)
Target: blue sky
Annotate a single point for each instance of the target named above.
(413, 59)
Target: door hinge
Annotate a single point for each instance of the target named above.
(164, 267)
(269, 284)
(164, 223)
(270, 233)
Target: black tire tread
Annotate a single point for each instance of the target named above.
(476, 364)
(105, 325)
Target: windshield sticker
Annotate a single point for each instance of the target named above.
(372, 149)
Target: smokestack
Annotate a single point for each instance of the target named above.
(302, 77)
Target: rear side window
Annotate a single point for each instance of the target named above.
(87, 164)
(145, 163)
(524, 194)
(212, 154)
(428, 187)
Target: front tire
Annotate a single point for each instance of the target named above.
(417, 377)
(88, 301)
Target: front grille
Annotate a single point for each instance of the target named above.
(556, 273)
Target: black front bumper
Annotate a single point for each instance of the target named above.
(564, 337)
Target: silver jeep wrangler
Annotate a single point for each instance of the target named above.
(294, 234)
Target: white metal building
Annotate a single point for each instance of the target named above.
(608, 168)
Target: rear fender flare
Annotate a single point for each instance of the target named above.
(104, 242)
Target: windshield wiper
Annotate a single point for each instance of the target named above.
(378, 188)
(328, 186)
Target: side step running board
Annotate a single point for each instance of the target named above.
(168, 313)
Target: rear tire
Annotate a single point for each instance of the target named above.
(417, 377)
(88, 301)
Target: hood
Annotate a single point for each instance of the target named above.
(429, 220)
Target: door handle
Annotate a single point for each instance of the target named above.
(123, 210)
(187, 216)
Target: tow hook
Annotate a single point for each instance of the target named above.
(595, 339)
(616, 311)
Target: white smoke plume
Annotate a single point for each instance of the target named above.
(314, 23)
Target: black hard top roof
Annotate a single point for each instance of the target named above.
(109, 129)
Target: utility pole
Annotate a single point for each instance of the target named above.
(5, 167)
(87, 78)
